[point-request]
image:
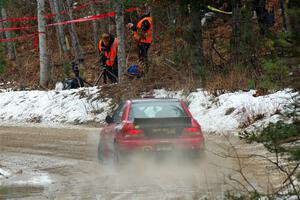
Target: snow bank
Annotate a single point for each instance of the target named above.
(227, 113)
(71, 106)
(233, 112)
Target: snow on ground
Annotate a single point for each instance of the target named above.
(227, 113)
(33, 180)
(235, 111)
(4, 173)
(232, 112)
(70, 106)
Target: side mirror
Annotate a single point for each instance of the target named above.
(109, 119)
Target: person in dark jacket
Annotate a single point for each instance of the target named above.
(265, 18)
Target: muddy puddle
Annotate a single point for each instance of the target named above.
(16, 192)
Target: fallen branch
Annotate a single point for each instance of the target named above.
(219, 54)
(289, 140)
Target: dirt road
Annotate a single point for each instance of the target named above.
(52, 163)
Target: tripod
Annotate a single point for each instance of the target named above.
(77, 80)
(106, 73)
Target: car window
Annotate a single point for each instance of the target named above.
(156, 109)
(117, 116)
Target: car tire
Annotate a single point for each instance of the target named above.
(100, 156)
(202, 154)
(104, 155)
(116, 155)
(197, 155)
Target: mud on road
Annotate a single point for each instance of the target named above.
(60, 163)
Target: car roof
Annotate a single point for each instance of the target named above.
(155, 100)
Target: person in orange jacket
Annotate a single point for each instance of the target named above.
(108, 47)
(142, 32)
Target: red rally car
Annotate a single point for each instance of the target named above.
(149, 125)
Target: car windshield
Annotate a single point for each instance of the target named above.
(156, 109)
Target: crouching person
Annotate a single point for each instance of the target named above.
(108, 47)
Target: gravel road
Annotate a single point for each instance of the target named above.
(60, 163)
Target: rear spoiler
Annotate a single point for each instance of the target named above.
(163, 122)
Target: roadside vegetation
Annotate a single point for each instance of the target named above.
(281, 139)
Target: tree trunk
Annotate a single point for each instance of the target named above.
(283, 16)
(236, 34)
(59, 29)
(11, 50)
(196, 40)
(154, 14)
(75, 41)
(121, 38)
(102, 8)
(2, 34)
(96, 32)
(172, 15)
(44, 60)
(294, 17)
(111, 25)
(56, 31)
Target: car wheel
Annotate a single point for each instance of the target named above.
(104, 155)
(197, 155)
(202, 154)
(100, 155)
(116, 155)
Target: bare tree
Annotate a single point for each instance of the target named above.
(121, 38)
(72, 29)
(56, 30)
(236, 33)
(173, 13)
(111, 22)
(10, 47)
(196, 40)
(2, 35)
(59, 29)
(44, 59)
(95, 25)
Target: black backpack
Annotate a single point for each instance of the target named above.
(72, 83)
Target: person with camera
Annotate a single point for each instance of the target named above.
(142, 33)
(108, 47)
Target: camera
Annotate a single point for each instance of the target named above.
(75, 67)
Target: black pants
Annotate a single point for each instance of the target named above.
(111, 73)
(143, 54)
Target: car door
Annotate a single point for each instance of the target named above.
(117, 118)
(109, 132)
